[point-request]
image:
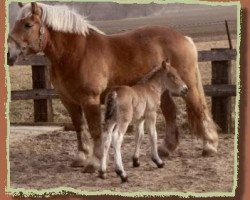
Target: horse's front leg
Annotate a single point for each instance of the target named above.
(171, 139)
(92, 110)
(83, 139)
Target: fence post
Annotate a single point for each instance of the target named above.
(221, 106)
(43, 111)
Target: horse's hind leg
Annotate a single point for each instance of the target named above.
(201, 122)
(138, 141)
(171, 139)
(199, 116)
(198, 113)
(83, 140)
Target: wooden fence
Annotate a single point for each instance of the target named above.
(221, 89)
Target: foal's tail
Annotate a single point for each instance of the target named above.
(111, 106)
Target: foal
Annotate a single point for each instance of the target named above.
(138, 103)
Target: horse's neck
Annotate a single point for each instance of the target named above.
(60, 45)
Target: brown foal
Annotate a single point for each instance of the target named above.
(138, 103)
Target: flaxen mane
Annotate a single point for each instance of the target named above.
(61, 18)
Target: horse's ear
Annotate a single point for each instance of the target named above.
(164, 65)
(34, 8)
(20, 4)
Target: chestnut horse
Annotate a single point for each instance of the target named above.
(85, 63)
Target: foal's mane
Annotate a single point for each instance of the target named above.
(60, 18)
(149, 75)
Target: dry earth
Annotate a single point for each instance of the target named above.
(41, 161)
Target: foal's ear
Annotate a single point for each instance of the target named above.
(20, 4)
(165, 66)
(34, 8)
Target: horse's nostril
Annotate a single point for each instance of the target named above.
(11, 60)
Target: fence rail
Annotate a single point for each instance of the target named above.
(221, 89)
(210, 90)
(203, 56)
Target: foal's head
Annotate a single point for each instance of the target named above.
(27, 36)
(172, 81)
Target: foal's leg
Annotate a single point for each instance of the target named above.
(106, 141)
(138, 141)
(121, 130)
(92, 110)
(83, 140)
(171, 139)
(151, 122)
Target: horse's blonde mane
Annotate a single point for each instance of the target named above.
(61, 18)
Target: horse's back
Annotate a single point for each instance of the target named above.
(150, 31)
(151, 43)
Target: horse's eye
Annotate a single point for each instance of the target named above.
(172, 77)
(28, 25)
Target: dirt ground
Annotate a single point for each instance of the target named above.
(41, 161)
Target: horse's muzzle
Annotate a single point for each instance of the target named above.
(11, 59)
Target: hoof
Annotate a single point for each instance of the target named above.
(136, 162)
(209, 150)
(124, 179)
(90, 168)
(118, 172)
(163, 152)
(159, 165)
(102, 175)
(78, 163)
(207, 153)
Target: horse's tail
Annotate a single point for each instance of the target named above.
(200, 86)
(198, 74)
(111, 106)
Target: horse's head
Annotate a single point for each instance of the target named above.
(28, 34)
(173, 81)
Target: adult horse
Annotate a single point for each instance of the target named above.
(85, 63)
